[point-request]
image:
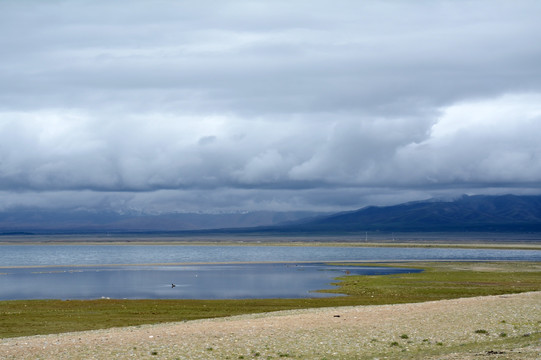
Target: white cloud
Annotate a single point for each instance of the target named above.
(490, 141)
(248, 102)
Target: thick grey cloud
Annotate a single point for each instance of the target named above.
(183, 106)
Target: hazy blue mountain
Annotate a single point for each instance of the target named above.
(37, 220)
(468, 213)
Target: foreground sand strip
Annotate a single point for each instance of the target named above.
(333, 333)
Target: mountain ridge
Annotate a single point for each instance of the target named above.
(467, 213)
(81, 221)
(475, 213)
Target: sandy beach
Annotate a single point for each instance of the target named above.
(494, 327)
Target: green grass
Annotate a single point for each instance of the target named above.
(442, 281)
(438, 281)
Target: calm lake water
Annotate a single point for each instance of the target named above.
(219, 281)
(94, 271)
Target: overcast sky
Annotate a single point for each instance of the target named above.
(266, 105)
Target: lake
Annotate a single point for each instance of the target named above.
(200, 271)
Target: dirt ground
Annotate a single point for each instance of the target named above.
(493, 327)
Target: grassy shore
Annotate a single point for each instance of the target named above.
(440, 280)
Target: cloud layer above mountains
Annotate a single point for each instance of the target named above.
(234, 105)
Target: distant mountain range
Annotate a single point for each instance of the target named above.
(467, 213)
(83, 221)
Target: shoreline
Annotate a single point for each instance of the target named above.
(292, 242)
(389, 263)
(464, 328)
(440, 280)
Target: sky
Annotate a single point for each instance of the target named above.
(223, 106)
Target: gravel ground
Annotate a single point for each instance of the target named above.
(494, 327)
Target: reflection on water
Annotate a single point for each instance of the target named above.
(191, 281)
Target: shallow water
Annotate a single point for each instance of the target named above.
(44, 255)
(218, 281)
(93, 271)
